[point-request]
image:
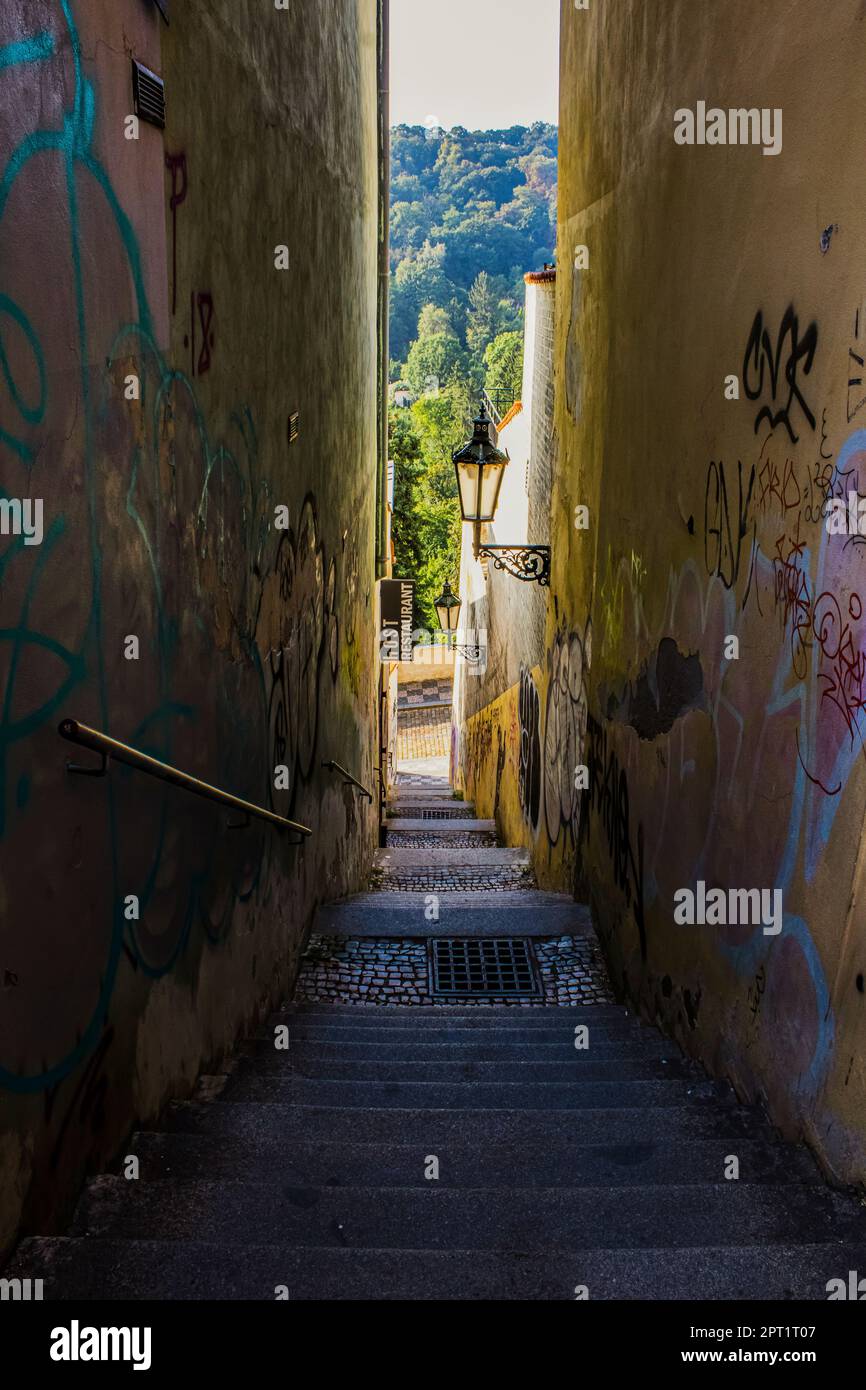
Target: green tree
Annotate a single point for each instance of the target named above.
(483, 315)
(418, 280)
(404, 450)
(503, 361)
(426, 520)
(434, 319)
(434, 362)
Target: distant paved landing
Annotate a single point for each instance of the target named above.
(424, 772)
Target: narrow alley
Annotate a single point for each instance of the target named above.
(432, 667)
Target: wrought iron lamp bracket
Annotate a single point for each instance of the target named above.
(530, 563)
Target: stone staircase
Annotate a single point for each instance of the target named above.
(457, 1150)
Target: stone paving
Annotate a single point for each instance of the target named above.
(418, 878)
(355, 970)
(424, 733)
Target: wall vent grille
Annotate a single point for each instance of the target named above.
(148, 92)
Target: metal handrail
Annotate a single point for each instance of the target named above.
(494, 400)
(353, 781)
(108, 748)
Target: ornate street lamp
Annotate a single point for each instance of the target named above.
(448, 606)
(480, 467)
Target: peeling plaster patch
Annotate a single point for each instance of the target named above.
(669, 685)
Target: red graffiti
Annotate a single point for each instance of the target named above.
(784, 491)
(793, 596)
(842, 667)
(201, 317)
(176, 165)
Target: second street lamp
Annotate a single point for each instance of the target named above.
(480, 467)
(448, 606)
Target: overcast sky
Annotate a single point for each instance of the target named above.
(483, 64)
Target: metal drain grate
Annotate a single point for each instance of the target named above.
(499, 967)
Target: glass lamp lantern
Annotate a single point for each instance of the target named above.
(448, 606)
(480, 467)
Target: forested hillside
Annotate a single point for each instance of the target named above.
(471, 212)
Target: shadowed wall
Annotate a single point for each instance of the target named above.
(154, 259)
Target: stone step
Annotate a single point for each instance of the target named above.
(529, 1219)
(436, 793)
(479, 1050)
(465, 1016)
(152, 1269)
(521, 913)
(310, 1032)
(398, 1039)
(304, 1124)
(643, 1068)
(407, 824)
(167, 1156)
(493, 854)
(434, 788)
(470, 1095)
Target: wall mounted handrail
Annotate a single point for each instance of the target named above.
(347, 776)
(109, 748)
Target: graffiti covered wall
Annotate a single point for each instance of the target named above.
(710, 406)
(187, 346)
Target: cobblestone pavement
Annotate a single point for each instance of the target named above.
(353, 970)
(572, 970)
(456, 878)
(424, 733)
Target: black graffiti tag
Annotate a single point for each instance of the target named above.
(724, 534)
(761, 369)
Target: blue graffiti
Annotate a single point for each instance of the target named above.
(73, 143)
